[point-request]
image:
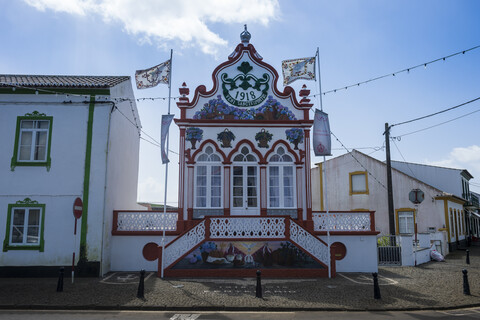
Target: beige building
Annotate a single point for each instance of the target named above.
(357, 181)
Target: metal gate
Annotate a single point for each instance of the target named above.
(389, 251)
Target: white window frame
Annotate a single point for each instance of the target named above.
(34, 131)
(27, 206)
(403, 216)
(281, 165)
(208, 165)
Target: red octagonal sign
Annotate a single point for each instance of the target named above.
(78, 208)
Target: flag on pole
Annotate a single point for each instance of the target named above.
(321, 134)
(166, 120)
(149, 78)
(295, 69)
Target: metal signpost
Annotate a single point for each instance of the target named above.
(416, 196)
(77, 213)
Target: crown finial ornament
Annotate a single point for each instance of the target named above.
(245, 36)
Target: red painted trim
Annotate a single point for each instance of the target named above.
(372, 220)
(247, 273)
(202, 146)
(348, 233)
(288, 92)
(252, 147)
(243, 123)
(287, 145)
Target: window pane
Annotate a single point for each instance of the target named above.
(251, 171)
(274, 171)
(25, 146)
(358, 183)
(251, 158)
(27, 124)
(238, 202)
(32, 234)
(252, 202)
(237, 171)
(216, 170)
(18, 217)
(216, 192)
(215, 202)
(201, 202)
(274, 192)
(251, 181)
(203, 157)
(202, 170)
(288, 202)
(17, 234)
(287, 158)
(238, 191)
(251, 191)
(39, 153)
(42, 124)
(274, 202)
(238, 157)
(34, 217)
(201, 181)
(214, 157)
(237, 181)
(201, 191)
(405, 222)
(216, 181)
(288, 171)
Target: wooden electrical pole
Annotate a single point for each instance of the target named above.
(391, 212)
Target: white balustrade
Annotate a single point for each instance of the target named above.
(342, 221)
(244, 228)
(184, 244)
(147, 221)
(309, 242)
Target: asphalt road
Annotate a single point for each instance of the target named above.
(460, 314)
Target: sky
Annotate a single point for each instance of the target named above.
(357, 41)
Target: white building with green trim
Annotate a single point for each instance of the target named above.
(64, 137)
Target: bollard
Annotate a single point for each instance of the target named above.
(466, 287)
(60, 280)
(376, 288)
(468, 256)
(258, 293)
(141, 285)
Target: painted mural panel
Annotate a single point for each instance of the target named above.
(247, 255)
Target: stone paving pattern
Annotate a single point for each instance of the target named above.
(434, 285)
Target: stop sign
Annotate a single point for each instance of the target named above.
(416, 196)
(77, 208)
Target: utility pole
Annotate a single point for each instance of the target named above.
(391, 212)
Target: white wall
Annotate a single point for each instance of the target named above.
(361, 253)
(430, 212)
(57, 188)
(445, 179)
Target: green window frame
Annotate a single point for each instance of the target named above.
(33, 137)
(28, 228)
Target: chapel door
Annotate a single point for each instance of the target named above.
(245, 200)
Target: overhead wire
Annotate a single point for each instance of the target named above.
(393, 74)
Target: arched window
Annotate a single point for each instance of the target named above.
(208, 180)
(281, 180)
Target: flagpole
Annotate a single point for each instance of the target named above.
(166, 165)
(324, 169)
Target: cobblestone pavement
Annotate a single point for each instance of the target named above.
(434, 285)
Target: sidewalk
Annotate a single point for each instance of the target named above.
(434, 285)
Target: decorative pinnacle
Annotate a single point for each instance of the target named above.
(245, 36)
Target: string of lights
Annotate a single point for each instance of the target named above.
(349, 152)
(393, 74)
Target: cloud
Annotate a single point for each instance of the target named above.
(149, 190)
(463, 158)
(165, 20)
